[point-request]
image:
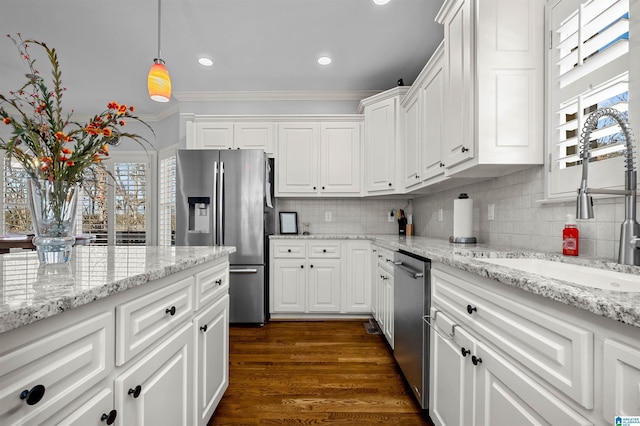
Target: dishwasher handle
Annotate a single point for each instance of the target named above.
(412, 272)
(431, 322)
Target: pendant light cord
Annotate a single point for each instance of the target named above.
(159, 27)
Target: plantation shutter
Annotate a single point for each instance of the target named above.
(130, 203)
(588, 69)
(167, 214)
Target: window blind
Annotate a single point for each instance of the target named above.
(130, 202)
(167, 214)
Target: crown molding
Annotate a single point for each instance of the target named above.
(284, 95)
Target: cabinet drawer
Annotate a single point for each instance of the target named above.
(67, 363)
(385, 259)
(143, 321)
(556, 350)
(324, 250)
(292, 250)
(211, 284)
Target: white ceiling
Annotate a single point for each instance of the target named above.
(106, 48)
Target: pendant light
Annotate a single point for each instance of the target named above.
(159, 82)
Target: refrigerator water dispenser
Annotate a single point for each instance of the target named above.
(199, 214)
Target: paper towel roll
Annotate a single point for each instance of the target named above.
(462, 218)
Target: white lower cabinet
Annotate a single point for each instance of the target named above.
(319, 277)
(382, 292)
(157, 389)
(501, 356)
(143, 356)
(212, 369)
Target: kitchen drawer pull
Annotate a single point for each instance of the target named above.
(476, 360)
(451, 336)
(34, 395)
(218, 282)
(110, 418)
(324, 250)
(288, 250)
(465, 352)
(310, 266)
(135, 392)
(471, 309)
(464, 149)
(171, 311)
(204, 328)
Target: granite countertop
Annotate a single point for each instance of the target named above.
(616, 305)
(30, 292)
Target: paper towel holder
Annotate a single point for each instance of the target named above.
(463, 240)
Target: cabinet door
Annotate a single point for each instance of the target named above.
(340, 158)
(64, 363)
(297, 168)
(389, 310)
(380, 145)
(88, 412)
(214, 135)
(158, 390)
(289, 282)
(254, 136)
(358, 278)
(412, 142)
(451, 374)
(212, 348)
(459, 90)
(324, 285)
(433, 120)
(505, 395)
(621, 374)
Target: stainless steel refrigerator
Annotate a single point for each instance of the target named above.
(224, 197)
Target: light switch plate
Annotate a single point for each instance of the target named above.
(327, 216)
(440, 215)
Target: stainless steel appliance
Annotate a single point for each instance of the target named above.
(411, 302)
(223, 197)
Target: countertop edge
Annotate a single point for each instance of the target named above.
(623, 307)
(26, 315)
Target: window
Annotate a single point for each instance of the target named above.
(114, 212)
(167, 214)
(15, 211)
(588, 68)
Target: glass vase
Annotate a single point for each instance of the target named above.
(53, 206)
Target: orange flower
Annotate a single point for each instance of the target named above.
(105, 148)
(131, 108)
(106, 131)
(61, 136)
(70, 163)
(122, 109)
(7, 120)
(96, 158)
(122, 123)
(66, 150)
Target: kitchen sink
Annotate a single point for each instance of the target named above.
(576, 274)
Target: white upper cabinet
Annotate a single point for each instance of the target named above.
(319, 158)
(229, 132)
(340, 170)
(493, 85)
(382, 135)
(423, 114)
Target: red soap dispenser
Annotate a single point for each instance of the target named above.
(570, 237)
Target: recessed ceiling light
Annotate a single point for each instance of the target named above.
(324, 60)
(381, 2)
(205, 61)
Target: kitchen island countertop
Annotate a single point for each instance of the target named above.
(30, 292)
(616, 305)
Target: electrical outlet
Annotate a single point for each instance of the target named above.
(391, 217)
(491, 211)
(327, 216)
(440, 215)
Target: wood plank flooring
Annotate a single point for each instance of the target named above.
(314, 372)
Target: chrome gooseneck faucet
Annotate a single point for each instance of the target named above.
(629, 253)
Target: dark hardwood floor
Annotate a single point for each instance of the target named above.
(314, 372)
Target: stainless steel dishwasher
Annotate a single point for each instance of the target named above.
(411, 302)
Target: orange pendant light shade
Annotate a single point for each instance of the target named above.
(159, 82)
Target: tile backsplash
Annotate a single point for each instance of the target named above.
(521, 221)
(348, 216)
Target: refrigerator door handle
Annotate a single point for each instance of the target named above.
(214, 215)
(243, 271)
(221, 205)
